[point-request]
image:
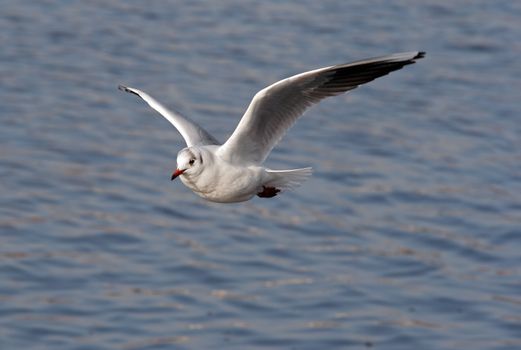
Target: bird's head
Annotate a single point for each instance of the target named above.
(189, 162)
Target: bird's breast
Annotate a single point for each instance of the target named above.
(226, 183)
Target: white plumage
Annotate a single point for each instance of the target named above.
(233, 171)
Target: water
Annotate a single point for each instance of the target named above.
(406, 237)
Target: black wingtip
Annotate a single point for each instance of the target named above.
(421, 54)
(126, 89)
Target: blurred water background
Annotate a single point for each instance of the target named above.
(406, 237)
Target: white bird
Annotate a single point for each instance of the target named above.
(233, 171)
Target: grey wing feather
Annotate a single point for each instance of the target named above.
(275, 109)
(192, 133)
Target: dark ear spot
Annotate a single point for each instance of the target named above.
(201, 159)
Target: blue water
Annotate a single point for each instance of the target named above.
(406, 237)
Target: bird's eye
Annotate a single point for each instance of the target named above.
(191, 162)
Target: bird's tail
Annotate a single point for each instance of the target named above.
(287, 179)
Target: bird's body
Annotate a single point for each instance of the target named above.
(227, 182)
(233, 171)
(219, 180)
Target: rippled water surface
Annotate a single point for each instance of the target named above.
(406, 237)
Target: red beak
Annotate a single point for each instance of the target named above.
(176, 173)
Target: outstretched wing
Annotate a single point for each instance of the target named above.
(275, 109)
(192, 133)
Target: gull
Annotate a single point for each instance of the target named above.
(233, 171)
